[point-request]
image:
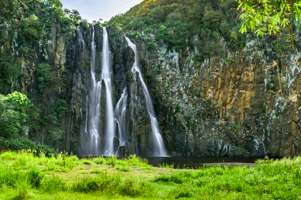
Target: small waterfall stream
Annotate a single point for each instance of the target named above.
(94, 105)
(120, 114)
(158, 144)
(107, 78)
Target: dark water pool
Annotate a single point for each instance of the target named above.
(196, 162)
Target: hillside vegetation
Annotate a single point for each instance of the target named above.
(177, 23)
(25, 28)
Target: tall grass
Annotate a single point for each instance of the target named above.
(10, 177)
(113, 184)
(130, 161)
(27, 174)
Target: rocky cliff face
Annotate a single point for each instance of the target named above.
(229, 107)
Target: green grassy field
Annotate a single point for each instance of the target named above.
(25, 176)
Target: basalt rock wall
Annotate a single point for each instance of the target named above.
(226, 107)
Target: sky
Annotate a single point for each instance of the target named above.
(99, 9)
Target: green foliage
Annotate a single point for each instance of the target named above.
(103, 182)
(176, 23)
(23, 143)
(9, 177)
(8, 8)
(32, 28)
(16, 112)
(267, 16)
(177, 109)
(44, 76)
(9, 74)
(61, 108)
(21, 173)
(53, 184)
(52, 122)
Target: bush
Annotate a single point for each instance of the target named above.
(87, 162)
(9, 74)
(44, 75)
(133, 187)
(32, 28)
(99, 160)
(35, 176)
(4, 144)
(23, 143)
(102, 182)
(16, 112)
(9, 177)
(150, 46)
(53, 184)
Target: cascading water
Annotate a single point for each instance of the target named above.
(120, 114)
(94, 103)
(93, 132)
(94, 106)
(158, 144)
(106, 77)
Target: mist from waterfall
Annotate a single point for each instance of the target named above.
(158, 144)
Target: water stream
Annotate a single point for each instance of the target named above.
(94, 105)
(107, 78)
(158, 144)
(98, 143)
(120, 116)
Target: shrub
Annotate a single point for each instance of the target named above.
(23, 188)
(32, 28)
(150, 46)
(99, 160)
(133, 187)
(16, 111)
(44, 75)
(124, 168)
(9, 176)
(169, 178)
(133, 160)
(4, 144)
(102, 182)
(53, 184)
(35, 176)
(24, 143)
(9, 74)
(86, 161)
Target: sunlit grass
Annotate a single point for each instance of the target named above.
(26, 176)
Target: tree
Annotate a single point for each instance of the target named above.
(16, 111)
(32, 28)
(268, 17)
(44, 75)
(9, 74)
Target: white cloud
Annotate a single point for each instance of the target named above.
(96, 9)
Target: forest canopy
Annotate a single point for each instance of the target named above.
(176, 22)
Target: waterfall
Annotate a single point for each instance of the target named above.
(106, 77)
(158, 144)
(96, 135)
(120, 114)
(92, 128)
